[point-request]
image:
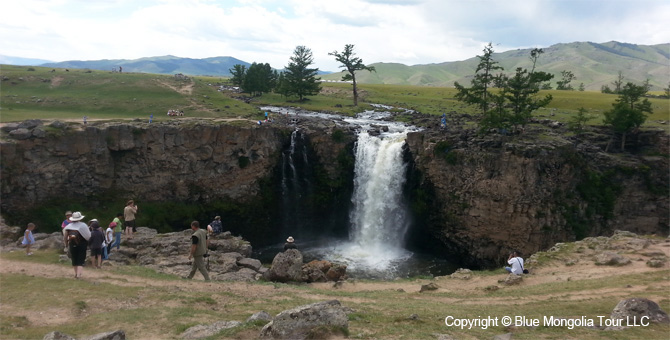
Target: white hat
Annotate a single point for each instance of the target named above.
(93, 220)
(76, 216)
(289, 239)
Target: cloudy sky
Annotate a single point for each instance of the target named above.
(267, 31)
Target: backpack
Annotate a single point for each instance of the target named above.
(74, 236)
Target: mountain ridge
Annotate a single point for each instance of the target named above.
(593, 64)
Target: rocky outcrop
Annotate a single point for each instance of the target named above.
(484, 196)
(314, 321)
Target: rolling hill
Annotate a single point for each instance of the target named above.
(593, 64)
(216, 66)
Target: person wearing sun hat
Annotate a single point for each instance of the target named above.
(76, 236)
(290, 244)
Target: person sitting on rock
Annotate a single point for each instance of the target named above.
(290, 244)
(215, 227)
(516, 263)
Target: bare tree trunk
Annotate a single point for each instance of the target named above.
(355, 94)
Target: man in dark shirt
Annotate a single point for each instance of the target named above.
(290, 243)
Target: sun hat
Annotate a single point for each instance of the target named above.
(93, 220)
(68, 213)
(217, 217)
(289, 239)
(76, 216)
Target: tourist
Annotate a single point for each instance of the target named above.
(76, 236)
(28, 238)
(118, 229)
(109, 240)
(67, 219)
(129, 218)
(215, 226)
(96, 243)
(516, 263)
(290, 244)
(199, 246)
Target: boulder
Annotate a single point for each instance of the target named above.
(657, 262)
(462, 274)
(428, 287)
(262, 315)
(315, 271)
(9, 127)
(20, 133)
(56, 335)
(511, 279)
(250, 263)
(307, 321)
(204, 331)
(337, 272)
(286, 266)
(638, 308)
(9, 235)
(30, 124)
(114, 335)
(611, 259)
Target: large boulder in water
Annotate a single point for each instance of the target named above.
(311, 321)
(286, 266)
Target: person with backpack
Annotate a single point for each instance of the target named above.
(76, 236)
(516, 263)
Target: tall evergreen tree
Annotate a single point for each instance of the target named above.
(351, 64)
(259, 79)
(301, 80)
(629, 111)
(479, 94)
(238, 71)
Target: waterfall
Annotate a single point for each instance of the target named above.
(379, 217)
(296, 186)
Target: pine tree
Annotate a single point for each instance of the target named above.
(301, 80)
(351, 64)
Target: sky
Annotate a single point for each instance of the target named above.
(267, 31)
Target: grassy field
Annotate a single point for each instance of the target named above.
(39, 296)
(37, 92)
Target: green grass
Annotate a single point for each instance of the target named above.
(120, 301)
(105, 95)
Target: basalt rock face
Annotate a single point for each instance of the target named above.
(482, 197)
(187, 161)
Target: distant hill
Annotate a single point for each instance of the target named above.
(216, 66)
(593, 64)
(9, 60)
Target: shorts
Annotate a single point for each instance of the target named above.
(78, 253)
(130, 224)
(96, 252)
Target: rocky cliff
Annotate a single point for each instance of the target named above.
(483, 197)
(474, 198)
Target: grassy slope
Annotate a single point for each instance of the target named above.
(147, 304)
(106, 95)
(592, 64)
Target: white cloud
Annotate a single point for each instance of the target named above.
(404, 31)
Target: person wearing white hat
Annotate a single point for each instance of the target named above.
(290, 244)
(76, 236)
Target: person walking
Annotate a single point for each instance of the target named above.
(199, 246)
(76, 236)
(129, 218)
(67, 219)
(28, 238)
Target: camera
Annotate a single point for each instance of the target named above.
(205, 256)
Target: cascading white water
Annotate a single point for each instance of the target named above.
(379, 217)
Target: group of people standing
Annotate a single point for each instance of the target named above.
(78, 237)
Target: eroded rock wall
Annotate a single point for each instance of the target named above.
(180, 161)
(489, 196)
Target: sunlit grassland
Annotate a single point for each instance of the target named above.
(120, 300)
